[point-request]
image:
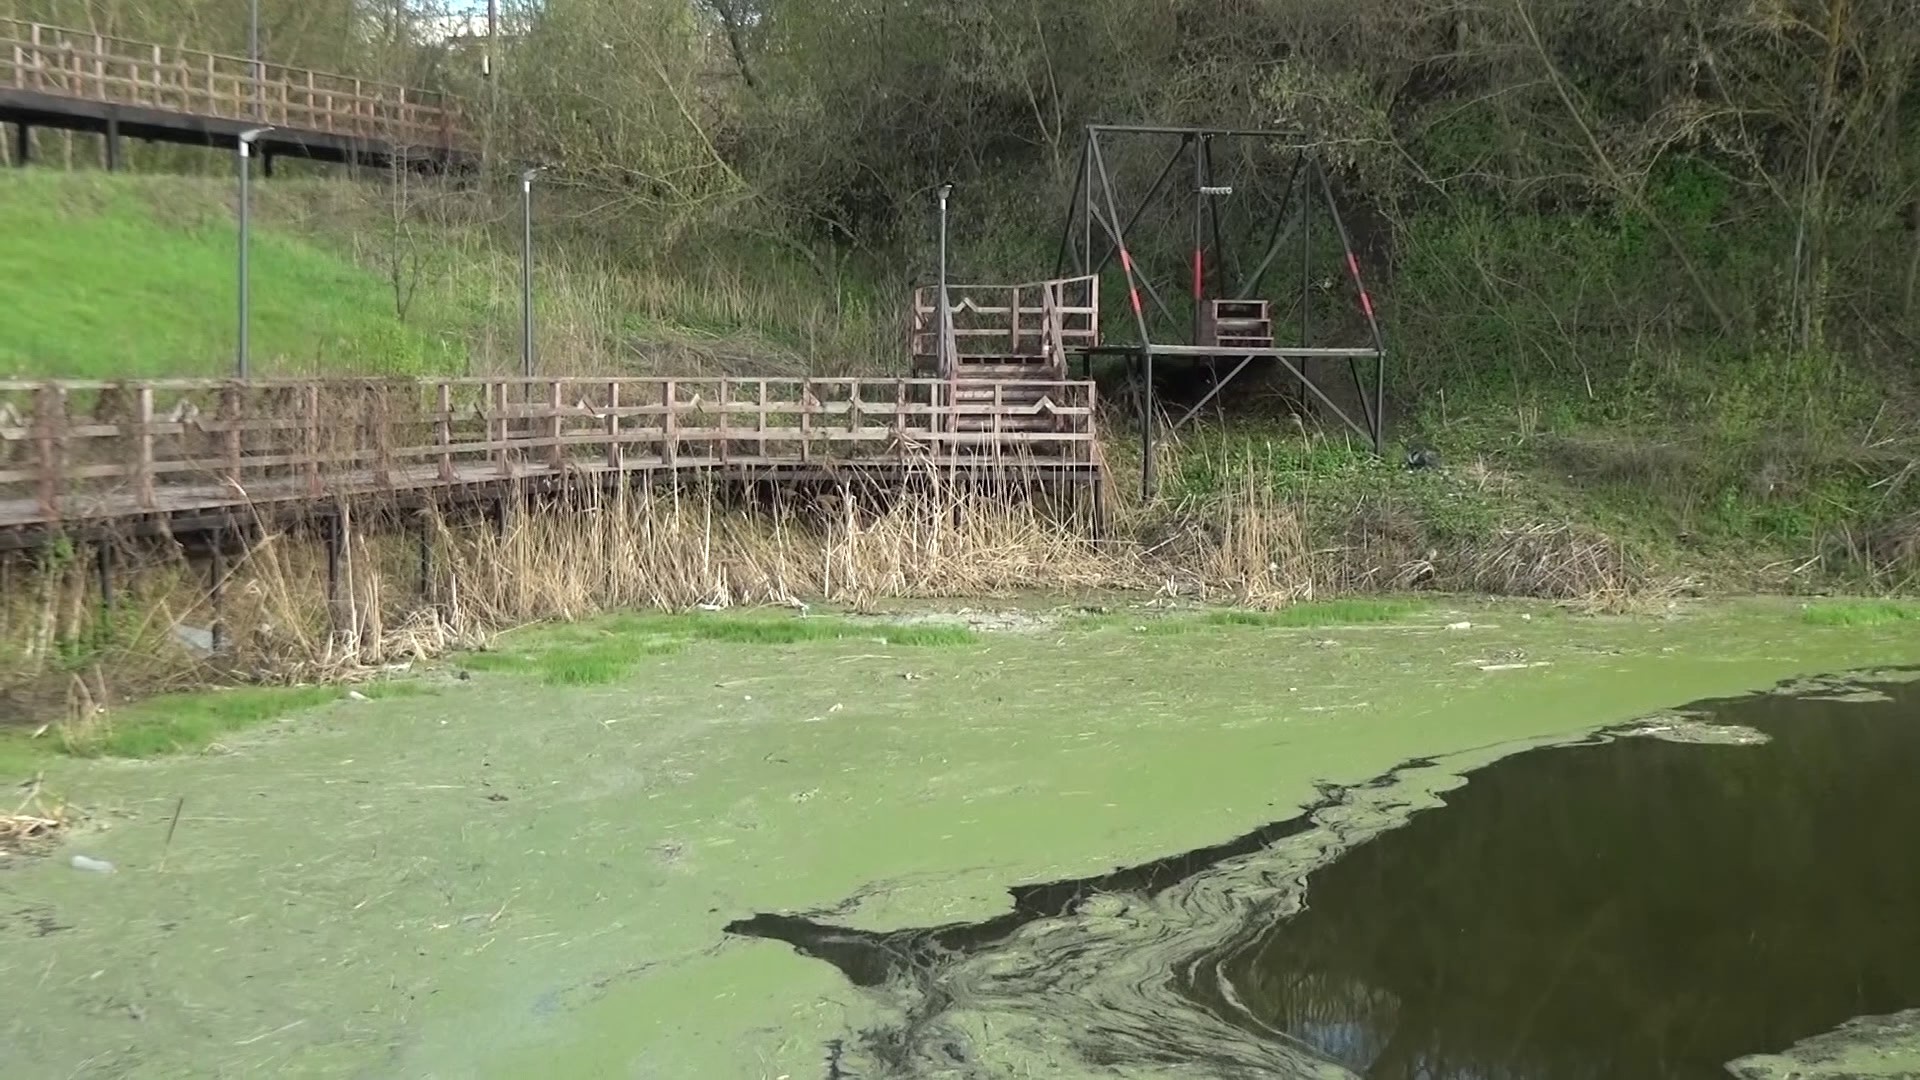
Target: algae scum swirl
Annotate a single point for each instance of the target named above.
(1632, 907)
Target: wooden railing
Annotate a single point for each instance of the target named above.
(71, 450)
(1034, 319)
(94, 67)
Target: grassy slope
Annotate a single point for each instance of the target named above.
(99, 282)
(134, 275)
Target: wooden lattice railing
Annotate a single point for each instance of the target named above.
(91, 449)
(79, 64)
(1039, 319)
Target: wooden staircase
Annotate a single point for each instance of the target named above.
(1003, 349)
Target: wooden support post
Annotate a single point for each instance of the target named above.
(725, 414)
(230, 435)
(497, 392)
(443, 429)
(50, 447)
(311, 438)
(669, 424)
(143, 446)
(382, 436)
(113, 140)
(616, 454)
(556, 454)
(853, 405)
(999, 403)
(22, 144)
(760, 423)
(806, 421)
(899, 413)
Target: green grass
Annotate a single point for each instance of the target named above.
(177, 722)
(602, 651)
(1354, 612)
(132, 277)
(1860, 613)
(1319, 613)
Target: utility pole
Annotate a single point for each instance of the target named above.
(247, 138)
(526, 271)
(947, 361)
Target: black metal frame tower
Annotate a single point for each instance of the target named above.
(1094, 220)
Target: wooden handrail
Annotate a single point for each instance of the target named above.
(80, 64)
(91, 449)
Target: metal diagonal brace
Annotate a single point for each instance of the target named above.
(1296, 372)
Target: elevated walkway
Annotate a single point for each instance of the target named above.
(76, 80)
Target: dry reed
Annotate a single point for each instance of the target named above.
(63, 655)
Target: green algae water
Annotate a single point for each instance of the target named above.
(1622, 907)
(507, 878)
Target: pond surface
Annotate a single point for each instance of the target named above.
(504, 878)
(1652, 905)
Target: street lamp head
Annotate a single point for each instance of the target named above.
(946, 190)
(253, 134)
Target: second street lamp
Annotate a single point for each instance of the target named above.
(247, 139)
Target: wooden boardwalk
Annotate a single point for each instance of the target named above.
(180, 455)
(76, 80)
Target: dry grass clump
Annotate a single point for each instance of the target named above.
(412, 585)
(34, 825)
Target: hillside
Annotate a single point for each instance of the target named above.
(123, 277)
(1788, 473)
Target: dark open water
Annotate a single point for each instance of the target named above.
(1623, 908)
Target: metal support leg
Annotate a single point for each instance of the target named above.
(22, 145)
(1146, 426)
(113, 141)
(266, 166)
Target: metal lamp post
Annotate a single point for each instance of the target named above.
(247, 139)
(526, 271)
(946, 310)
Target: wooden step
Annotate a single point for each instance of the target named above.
(1005, 373)
(1007, 424)
(988, 394)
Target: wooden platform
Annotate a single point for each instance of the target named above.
(75, 80)
(178, 454)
